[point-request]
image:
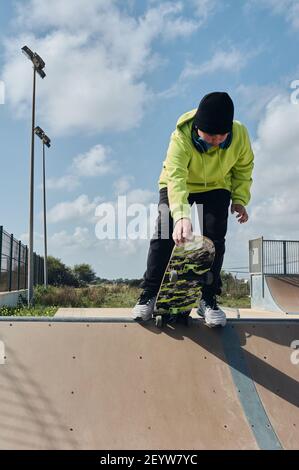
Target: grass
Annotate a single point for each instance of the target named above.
(234, 302)
(48, 300)
(37, 311)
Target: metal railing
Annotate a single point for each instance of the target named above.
(274, 257)
(281, 257)
(14, 264)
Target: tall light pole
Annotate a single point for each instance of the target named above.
(38, 66)
(46, 142)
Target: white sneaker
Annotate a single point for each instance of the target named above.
(211, 312)
(144, 308)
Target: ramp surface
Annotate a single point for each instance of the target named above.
(285, 292)
(122, 385)
(277, 293)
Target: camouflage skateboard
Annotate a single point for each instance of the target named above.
(187, 271)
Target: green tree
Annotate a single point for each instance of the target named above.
(59, 274)
(84, 273)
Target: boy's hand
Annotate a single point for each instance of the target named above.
(242, 213)
(182, 231)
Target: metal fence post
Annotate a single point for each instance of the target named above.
(10, 263)
(19, 264)
(38, 270)
(284, 257)
(43, 275)
(34, 269)
(26, 266)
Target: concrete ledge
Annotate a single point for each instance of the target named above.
(100, 312)
(10, 299)
(231, 313)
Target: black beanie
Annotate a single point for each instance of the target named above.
(215, 113)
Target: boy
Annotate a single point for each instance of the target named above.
(210, 162)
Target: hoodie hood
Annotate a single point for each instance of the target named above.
(187, 117)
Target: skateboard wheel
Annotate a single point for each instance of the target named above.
(159, 321)
(173, 276)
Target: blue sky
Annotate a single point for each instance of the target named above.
(119, 74)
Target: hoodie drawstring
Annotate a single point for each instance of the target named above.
(221, 166)
(204, 169)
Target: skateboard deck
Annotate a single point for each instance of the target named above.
(187, 271)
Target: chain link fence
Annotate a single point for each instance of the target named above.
(14, 264)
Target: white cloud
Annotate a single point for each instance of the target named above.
(123, 184)
(275, 209)
(94, 163)
(81, 208)
(141, 196)
(164, 20)
(229, 61)
(253, 99)
(96, 59)
(2, 92)
(120, 249)
(80, 238)
(24, 237)
(205, 8)
(133, 196)
(202, 10)
(287, 8)
(68, 182)
(110, 258)
(80, 84)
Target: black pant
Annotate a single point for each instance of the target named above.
(215, 214)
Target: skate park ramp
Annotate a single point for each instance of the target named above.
(277, 293)
(285, 292)
(110, 383)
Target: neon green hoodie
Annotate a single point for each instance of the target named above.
(186, 170)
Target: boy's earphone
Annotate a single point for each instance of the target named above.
(202, 146)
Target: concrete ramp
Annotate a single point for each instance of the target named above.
(285, 292)
(275, 293)
(114, 384)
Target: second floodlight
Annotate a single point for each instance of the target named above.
(41, 134)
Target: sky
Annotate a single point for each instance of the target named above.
(119, 75)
